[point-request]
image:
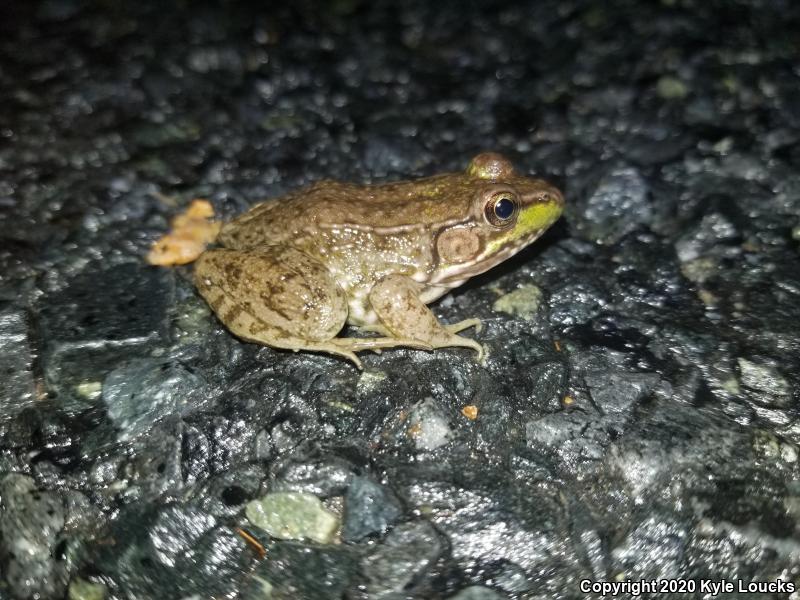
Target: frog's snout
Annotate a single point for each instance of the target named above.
(554, 196)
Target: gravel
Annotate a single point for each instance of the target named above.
(637, 415)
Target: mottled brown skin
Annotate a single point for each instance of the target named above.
(295, 269)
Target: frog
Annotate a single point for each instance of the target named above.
(292, 272)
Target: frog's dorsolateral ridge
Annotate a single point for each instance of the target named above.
(294, 270)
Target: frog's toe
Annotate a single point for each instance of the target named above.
(483, 354)
(465, 324)
(351, 356)
(469, 343)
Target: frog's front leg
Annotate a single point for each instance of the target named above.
(395, 299)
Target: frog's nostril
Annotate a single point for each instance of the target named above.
(554, 197)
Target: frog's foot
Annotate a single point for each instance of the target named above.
(331, 348)
(381, 330)
(396, 301)
(379, 343)
(452, 328)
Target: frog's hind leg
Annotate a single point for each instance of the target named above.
(276, 296)
(410, 322)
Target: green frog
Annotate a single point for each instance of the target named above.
(294, 270)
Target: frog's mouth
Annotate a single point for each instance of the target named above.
(454, 275)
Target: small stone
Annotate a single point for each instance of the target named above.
(80, 589)
(17, 388)
(103, 316)
(298, 570)
(406, 554)
(477, 592)
(427, 426)
(617, 206)
(368, 508)
(142, 391)
(765, 384)
(470, 412)
(31, 521)
(369, 380)
(293, 516)
(767, 445)
(789, 453)
(699, 270)
(616, 393)
(90, 389)
(711, 233)
(523, 302)
(671, 88)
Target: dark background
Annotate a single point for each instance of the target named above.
(637, 416)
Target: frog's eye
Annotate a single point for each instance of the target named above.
(501, 209)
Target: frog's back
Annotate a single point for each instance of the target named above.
(422, 203)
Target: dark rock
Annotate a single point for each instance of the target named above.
(662, 540)
(617, 206)
(369, 508)
(585, 432)
(90, 327)
(141, 392)
(764, 383)
(226, 494)
(477, 592)
(713, 232)
(406, 556)
(172, 550)
(329, 476)
(125, 304)
(31, 521)
(512, 539)
(17, 385)
(301, 571)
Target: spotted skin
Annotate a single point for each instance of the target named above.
(293, 271)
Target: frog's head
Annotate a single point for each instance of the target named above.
(508, 211)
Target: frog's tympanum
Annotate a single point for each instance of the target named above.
(294, 270)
